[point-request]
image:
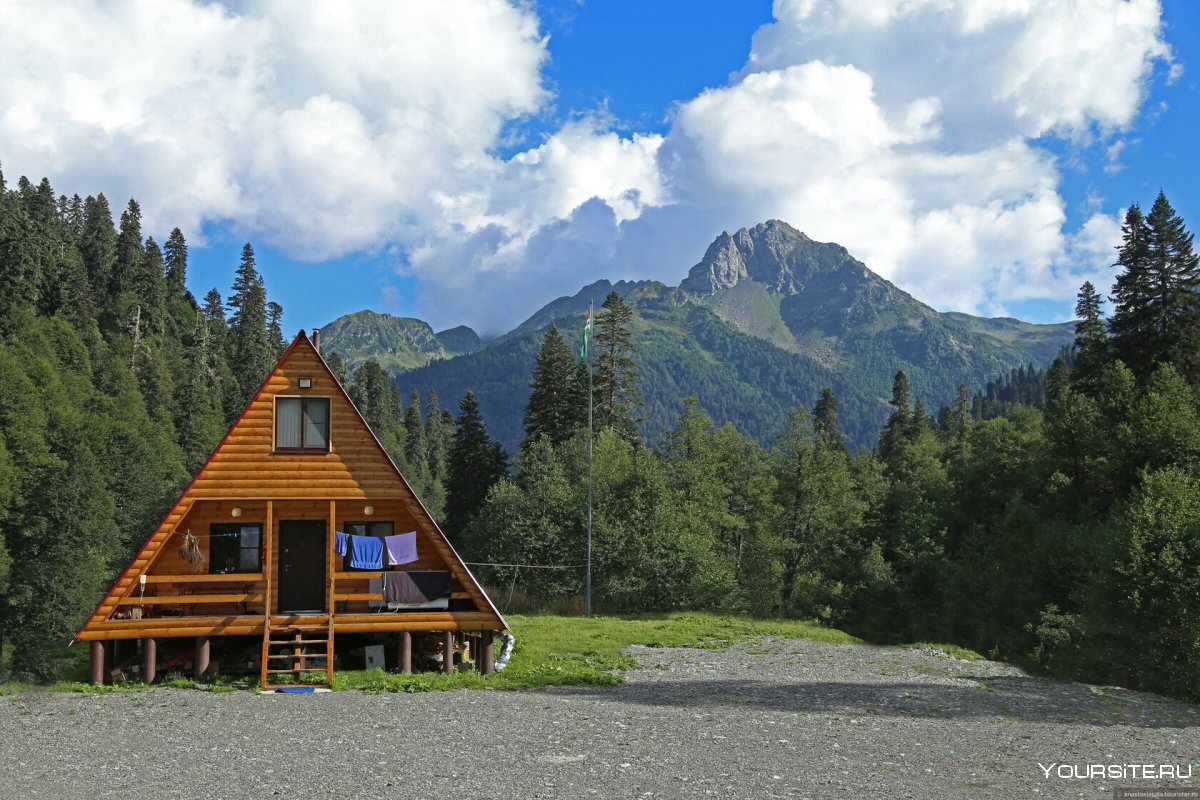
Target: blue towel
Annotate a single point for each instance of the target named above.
(339, 542)
(366, 552)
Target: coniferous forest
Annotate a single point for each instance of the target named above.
(1051, 517)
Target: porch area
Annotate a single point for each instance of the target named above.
(269, 570)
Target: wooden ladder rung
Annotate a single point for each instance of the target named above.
(295, 686)
(304, 657)
(298, 629)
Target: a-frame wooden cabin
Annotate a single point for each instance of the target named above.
(244, 571)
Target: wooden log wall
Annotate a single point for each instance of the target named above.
(247, 472)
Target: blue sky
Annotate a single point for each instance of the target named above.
(467, 165)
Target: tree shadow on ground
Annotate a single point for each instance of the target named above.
(1017, 698)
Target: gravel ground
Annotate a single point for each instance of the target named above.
(758, 720)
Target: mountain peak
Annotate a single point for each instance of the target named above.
(772, 253)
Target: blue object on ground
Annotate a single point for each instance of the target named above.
(296, 690)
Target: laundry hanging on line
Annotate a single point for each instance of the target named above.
(401, 548)
(340, 541)
(366, 552)
(416, 588)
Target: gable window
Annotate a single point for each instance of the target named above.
(376, 528)
(302, 423)
(234, 547)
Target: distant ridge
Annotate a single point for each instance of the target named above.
(396, 343)
(765, 320)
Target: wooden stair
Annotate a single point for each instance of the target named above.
(296, 649)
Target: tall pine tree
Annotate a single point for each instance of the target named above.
(414, 427)
(436, 437)
(551, 410)
(1175, 278)
(251, 349)
(476, 463)
(616, 396)
(175, 252)
(1156, 306)
(1091, 341)
(896, 429)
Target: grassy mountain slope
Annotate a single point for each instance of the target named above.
(684, 349)
(761, 324)
(397, 343)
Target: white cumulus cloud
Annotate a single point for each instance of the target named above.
(911, 132)
(324, 128)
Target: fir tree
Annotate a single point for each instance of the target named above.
(337, 366)
(435, 437)
(214, 318)
(130, 255)
(414, 427)
(176, 256)
(18, 265)
(896, 429)
(1091, 340)
(475, 464)
(825, 420)
(251, 349)
(617, 398)
(150, 288)
(275, 330)
(920, 420)
(961, 417)
(77, 292)
(1175, 277)
(370, 393)
(1156, 308)
(98, 245)
(199, 421)
(820, 511)
(73, 218)
(552, 409)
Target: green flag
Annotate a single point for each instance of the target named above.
(587, 335)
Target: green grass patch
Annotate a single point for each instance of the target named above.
(82, 687)
(587, 651)
(952, 650)
(550, 651)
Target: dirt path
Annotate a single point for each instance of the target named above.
(781, 719)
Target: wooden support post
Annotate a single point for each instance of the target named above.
(330, 538)
(448, 652)
(200, 660)
(149, 659)
(406, 652)
(487, 658)
(268, 562)
(96, 665)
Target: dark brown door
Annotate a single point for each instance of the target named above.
(302, 565)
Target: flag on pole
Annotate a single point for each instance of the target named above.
(587, 334)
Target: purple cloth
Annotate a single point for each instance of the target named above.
(366, 552)
(340, 541)
(401, 548)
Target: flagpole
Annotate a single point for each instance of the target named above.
(589, 507)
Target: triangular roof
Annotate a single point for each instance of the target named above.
(145, 557)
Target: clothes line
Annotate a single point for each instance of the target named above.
(205, 535)
(526, 566)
